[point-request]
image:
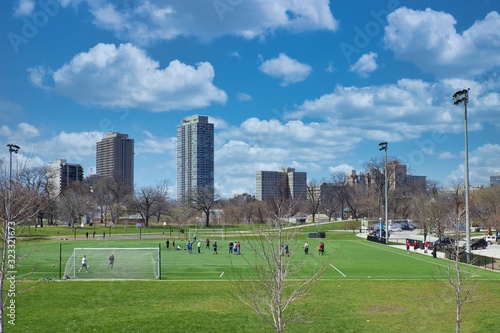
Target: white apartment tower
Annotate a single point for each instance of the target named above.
(195, 156)
(115, 158)
(61, 174)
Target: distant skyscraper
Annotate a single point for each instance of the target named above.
(287, 184)
(495, 180)
(62, 174)
(115, 158)
(195, 156)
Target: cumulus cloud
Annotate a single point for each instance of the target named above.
(405, 109)
(480, 168)
(429, 39)
(285, 68)
(28, 130)
(244, 97)
(147, 21)
(24, 8)
(365, 65)
(125, 76)
(154, 144)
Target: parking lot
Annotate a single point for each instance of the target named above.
(492, 250)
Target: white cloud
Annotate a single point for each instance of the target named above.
(365, 65)
(403, 110)
(125, 76)
(156, 145)
(286, 68)
(75, 147)
(446, 155)
(244, 97)
(28, 130)
(429, 40)
(483, 163)
(146, 21)
(24, 8)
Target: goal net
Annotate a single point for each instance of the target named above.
(202, 234)
(114, 264)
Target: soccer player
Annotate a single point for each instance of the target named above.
(111, 260)
(84, 264)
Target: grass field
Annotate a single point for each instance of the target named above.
(367, 287)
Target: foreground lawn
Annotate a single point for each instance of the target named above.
(210, 306)
(366, 287)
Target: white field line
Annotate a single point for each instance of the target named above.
(335, 268)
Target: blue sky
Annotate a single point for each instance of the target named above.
(309, 84)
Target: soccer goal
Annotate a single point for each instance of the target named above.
(202, 234)
(114, 264)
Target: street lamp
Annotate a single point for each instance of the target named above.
(12, 149)
(462, 96)
(383, 146)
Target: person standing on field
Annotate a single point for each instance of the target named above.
(306, 247)
(407, 245)
(215, 248)
(167, 243)
(199, 247)
(207, 242)
(415, 246)
(84, 264)
(111, 260)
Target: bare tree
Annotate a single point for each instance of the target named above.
(486, 207)
(204, 200)
(20, 202)
(150, 200)
(313, 198)
(458, 278)
(75, 202)
(271, 287)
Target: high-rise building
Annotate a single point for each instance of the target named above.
(61, 174)
(495, 180)
(287, 184)
(115, 158)
(195, 156)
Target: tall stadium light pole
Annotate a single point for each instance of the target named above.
(383, 146)
(462, 96)
(12, 149)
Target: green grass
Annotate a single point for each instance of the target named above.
(366, 287)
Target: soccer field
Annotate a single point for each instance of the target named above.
(366, 287)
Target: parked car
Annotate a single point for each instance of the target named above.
(491, 239)
(395, 228)
(476, 243)
(442, 242)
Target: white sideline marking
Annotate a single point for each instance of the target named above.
(221, 274)
(335, 268)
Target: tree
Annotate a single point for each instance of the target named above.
(20, 201)
(313, 198)
(271, 287)
(457, 277)
(150, 201)
(486, 207)
(75, 202)
(203, 199)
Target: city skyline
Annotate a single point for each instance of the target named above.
(312, 85)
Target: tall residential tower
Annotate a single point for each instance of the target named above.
(115, 158)
(62, 174)
(195, 156)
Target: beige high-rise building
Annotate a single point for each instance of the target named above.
(287, 184)
(115, 158)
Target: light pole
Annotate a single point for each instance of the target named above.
(383, 146)
(462, 96)
(12, 149)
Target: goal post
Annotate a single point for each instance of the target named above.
(201, 234)
(114, 264)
